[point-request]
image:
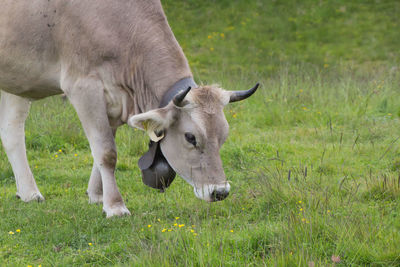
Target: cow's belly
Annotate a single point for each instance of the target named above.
(32, 82)
(35, 93)
(29, 65)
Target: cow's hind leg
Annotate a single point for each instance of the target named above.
(13, 113)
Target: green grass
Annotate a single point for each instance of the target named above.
(313, 158)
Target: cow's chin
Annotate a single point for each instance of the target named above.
(212, 192)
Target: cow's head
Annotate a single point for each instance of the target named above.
(191, 130)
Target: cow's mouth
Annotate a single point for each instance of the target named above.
(219, 195)
(212, 192)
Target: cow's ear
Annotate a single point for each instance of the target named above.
(154, 122)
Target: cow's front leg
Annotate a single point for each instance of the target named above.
(13, 113)
(86, 95)
(95, 186)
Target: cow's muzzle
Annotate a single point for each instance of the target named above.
(219, 194)
(212, 192)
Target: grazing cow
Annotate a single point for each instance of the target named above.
(117, 62)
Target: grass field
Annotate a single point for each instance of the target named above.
(313, 158)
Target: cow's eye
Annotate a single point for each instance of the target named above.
(190, 138)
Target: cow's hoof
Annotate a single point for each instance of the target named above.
(36, 196)
(116, 211)
(95, 198)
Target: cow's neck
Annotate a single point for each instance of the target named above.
(154, 63)
(154, 83)
(145, 91)
(164, 75)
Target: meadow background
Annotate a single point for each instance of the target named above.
(313, 158)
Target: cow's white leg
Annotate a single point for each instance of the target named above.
(86, 95)
(13, 113)
(95, 186)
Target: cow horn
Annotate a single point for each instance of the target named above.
(240, 95)
(179, 97)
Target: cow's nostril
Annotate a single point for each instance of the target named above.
(218, 195)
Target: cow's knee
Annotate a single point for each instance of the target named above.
(11, 137)
(109, 158)
(13, 113)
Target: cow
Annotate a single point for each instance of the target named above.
(117, 62)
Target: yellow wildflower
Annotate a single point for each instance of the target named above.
(75, 155)
(90, 244)
(299, 201)
(169, 230)
(163, 230)
(149, 225)
(211, 49)
(11, 233)
(60, 150)
(209, 37)
(231, 231)
(176, 218)
(326, 66)
(195, 234)
(192, 231)
(56, 156)
(301, 209)
(181, 225)
(222, 35)
(303, 220)
(18, 230)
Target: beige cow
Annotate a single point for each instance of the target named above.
(116, 61)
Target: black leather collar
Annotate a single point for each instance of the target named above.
(175, 89)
